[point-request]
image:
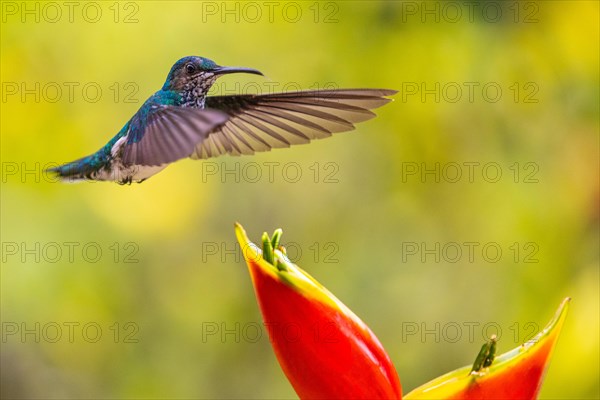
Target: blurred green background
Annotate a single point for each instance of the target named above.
(155, 302)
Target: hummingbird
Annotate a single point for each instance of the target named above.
(181, 120)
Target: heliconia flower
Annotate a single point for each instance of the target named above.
(517, 374)
(324, 349)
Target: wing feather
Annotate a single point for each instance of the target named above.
(170, 133)
(262, 122)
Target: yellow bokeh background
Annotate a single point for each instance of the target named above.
(168, 275)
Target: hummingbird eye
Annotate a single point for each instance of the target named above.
(190, 69)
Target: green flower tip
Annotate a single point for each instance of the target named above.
(272, 251)
(486, 355)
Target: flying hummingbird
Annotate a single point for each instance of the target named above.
(181, 121)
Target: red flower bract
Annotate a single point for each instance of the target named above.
(517, 374)
(324, 349)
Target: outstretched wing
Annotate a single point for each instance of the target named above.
(167, 134)
(262, 122)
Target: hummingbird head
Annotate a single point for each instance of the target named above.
(197, 74)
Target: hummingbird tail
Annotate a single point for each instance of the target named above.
(70, 172)
(85, 168)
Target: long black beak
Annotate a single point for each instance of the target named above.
(234, 70)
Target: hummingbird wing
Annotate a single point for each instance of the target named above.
(262, 122)
(167, 134)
